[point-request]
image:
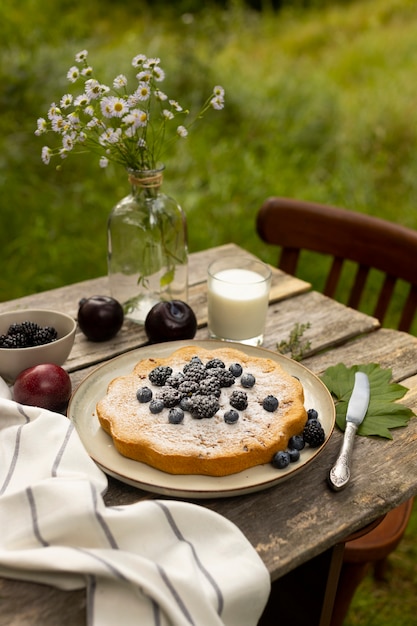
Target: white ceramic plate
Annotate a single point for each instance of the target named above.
(100, 447)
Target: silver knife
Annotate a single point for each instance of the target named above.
(356, 411)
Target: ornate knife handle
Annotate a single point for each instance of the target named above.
(340, 473)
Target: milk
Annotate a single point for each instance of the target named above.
(237, 304)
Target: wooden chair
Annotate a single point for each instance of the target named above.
(371, 243)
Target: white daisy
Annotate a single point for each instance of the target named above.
(182, 131)
(143, 92)
(111, 106)
(160, 95)
(42, 126)
(175, 105)
(144, 77)
(94, 123)
(159, 74)
(152, 62)
(68, 142)
(73, 74)
(81, 101)
(73, 120)
(46, 155)
(93, 89)
(53, 110)
(81, 56)
(138, 60)
(136, 118)
(111, 136)
(103, 162)
(120, 81)
(66, 101)
(217, 103)
(58, 124)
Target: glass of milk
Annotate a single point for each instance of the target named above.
(238, 292)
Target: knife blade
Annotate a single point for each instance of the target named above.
(357, 407)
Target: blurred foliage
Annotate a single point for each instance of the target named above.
(320, 105)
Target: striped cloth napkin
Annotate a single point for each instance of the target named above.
(155, 562)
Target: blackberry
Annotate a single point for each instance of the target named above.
(195, 372)
(175, 415)
(239, 400)
(13, 328)
(236, 369)
(270, 404)
(27, 329)
(247, 380)
(215, 363)
(159, 375)
(30, 328)
(281, 460)
(175, 379)
(27, 334)
(231, 416)
(169, 396)
(144, 394)
(313, 433)
(156, 406)
(312, 414)
(188, 387)
(224, 376)
(44, 335)
(296, 442)
(210, 386)
(16, 340)
(204, 406)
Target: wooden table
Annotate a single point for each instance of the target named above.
(292, 523)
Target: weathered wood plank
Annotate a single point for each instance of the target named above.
(331, 323)
(390, 348)
(32, 604)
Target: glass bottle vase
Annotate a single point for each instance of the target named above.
(147, 247)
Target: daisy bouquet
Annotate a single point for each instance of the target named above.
(130, 123)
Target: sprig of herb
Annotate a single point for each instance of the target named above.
(294, 344)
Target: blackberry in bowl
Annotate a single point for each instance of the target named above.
(30, 337)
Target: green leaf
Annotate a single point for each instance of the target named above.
(167, 278)
(384, 413)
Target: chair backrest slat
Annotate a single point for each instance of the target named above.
(409, 310)
(385, 296)
(288, 261)
(370, 242)
(358, 287)
(333, 277)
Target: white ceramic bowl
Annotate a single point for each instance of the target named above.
(15, 360)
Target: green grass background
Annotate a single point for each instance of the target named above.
(321, 104)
